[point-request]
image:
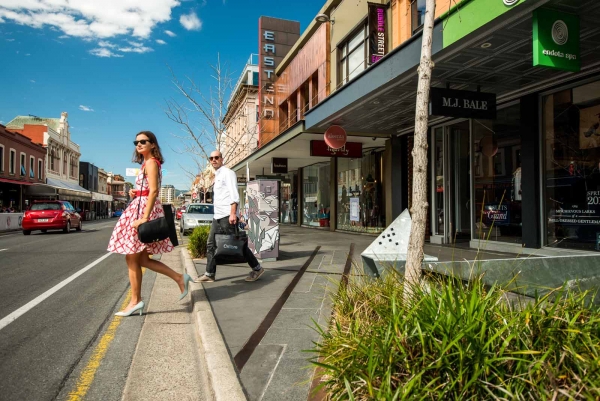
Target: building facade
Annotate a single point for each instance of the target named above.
(62, 158)
(118, 191)
(21, 166)
(167, 194)
(513, 124)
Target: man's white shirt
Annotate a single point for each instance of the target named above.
(225, 192)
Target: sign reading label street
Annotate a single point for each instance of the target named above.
(457, 103)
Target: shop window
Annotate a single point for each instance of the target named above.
(40, 166)
(316, 190)
(12, 162)
(571, 129)
(31, 167)
(353, 55)
(417, 12)
(360, 196)
(497, 176)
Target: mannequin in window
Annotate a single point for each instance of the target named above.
(516, 181)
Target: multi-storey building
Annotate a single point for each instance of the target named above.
(62, 157)
(90, 179)
(167, 194)
(512, 127)
(21, 166)
(118, 191)
(241, 118)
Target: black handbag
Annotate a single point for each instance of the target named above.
(230, 247)
(154, 230)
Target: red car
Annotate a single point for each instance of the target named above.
(179, 212)
(51, 215)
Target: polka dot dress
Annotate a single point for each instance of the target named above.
(124, 239)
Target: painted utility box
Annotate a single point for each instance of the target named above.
(263, 218)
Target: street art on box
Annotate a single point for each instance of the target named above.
(263, 218)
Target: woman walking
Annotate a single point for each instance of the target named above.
(144, 207)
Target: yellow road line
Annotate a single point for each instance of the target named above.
(86, 378)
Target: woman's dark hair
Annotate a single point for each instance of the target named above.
(137, 158)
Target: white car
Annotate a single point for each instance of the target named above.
(197, 214)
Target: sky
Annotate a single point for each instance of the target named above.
(107, 64)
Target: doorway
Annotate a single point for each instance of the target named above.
(451, 199)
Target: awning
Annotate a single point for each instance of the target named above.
(15, 181)
(60, 184)
(101, 197)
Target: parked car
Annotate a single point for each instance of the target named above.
(197, 214)
(179, 212)
(51, 215)
(117, 213)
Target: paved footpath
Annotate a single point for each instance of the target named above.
(269, 324)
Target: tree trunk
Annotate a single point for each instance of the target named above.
(420, 205)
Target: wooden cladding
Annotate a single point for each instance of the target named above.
(312, 58)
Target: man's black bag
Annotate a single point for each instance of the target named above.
(230, 247)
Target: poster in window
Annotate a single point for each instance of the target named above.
(589, 127)
(354, 209)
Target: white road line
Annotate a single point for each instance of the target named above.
(32, 304)
(3, 249)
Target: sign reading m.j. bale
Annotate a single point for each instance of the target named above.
(466, 104)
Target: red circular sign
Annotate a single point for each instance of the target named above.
(194, 195)
(335, 137)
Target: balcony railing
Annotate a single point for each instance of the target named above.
(251, 65)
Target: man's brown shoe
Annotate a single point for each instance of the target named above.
(255, 274)
(204, 279)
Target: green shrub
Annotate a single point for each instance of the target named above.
(197, 241)
(458, 341)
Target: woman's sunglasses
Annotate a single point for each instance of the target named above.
(143, 142)
(214, 158)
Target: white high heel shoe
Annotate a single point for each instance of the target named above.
(131, 311)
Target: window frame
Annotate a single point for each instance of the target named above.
(40, 169)
(23, 164)
(344, 45)
(32, 167)
(12, 161)
(414, 16)
(1, 159)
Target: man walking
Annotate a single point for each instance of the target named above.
(226, 200)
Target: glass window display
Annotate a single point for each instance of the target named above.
(571, 129)
(497, 176)
(316, 181)
(360, 194)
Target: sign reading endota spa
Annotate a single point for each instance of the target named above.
(458, 103)
(556, 40)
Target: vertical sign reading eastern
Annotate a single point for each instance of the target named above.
(276, 38)
(377, 27)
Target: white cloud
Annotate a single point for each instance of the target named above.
(32, 81)
(90, 19)
(136, 48)
(84, 108)
(28, 54)
(10, 40)
(191, 22)
(161, 42)
(104, 52)
(171, 34)
(104, 43)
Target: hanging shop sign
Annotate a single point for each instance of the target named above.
(279, 165)
(350, 149)
(377, 39)
(335, 137)
(556, 40)
(458, 103)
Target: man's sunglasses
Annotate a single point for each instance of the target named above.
(214, 158)
(143, 142)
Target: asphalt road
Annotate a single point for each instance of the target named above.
(69, 341)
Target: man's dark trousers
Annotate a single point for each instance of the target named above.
(222, 226)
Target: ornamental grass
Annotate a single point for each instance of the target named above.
(458, 341)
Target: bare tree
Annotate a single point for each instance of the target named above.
(201, 117)
(419, 153)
